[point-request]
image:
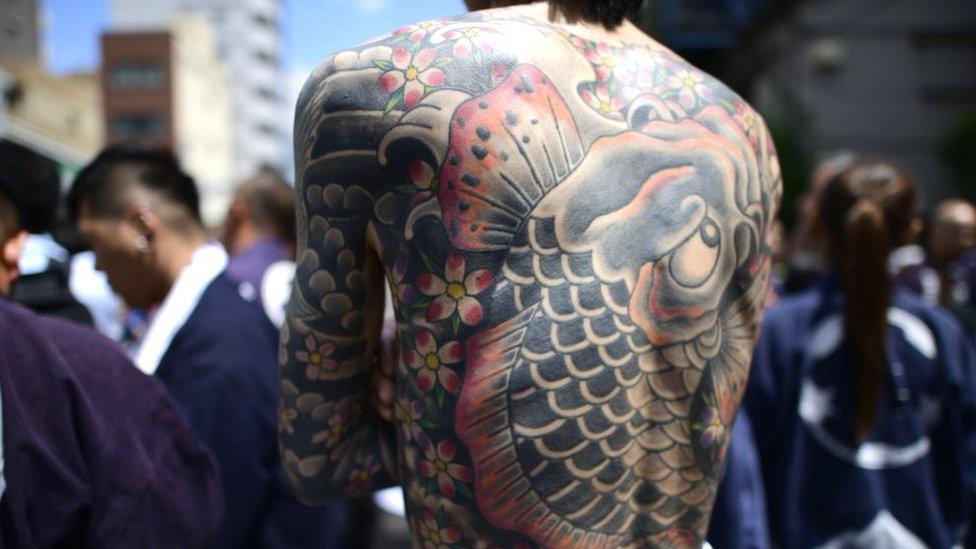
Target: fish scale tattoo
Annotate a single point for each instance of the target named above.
(576, 251)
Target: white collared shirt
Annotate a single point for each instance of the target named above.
(206, 264)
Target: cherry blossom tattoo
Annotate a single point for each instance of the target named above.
(575, 245)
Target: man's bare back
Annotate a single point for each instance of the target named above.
(574, 235)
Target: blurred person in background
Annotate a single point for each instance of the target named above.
(259, 235)
(94, 453)
(779, 257)
(574, 234)
(863, 396)
(739, 518)
(44, 268)
(213, 350)
(935, 271)
(805, 265)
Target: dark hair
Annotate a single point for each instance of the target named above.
(9, 218)
(867, 211)
(270, 201)
(609, 13)
(32, 184)
(159, 172)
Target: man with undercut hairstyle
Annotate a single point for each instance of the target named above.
(93, 453)
(213, 350)
(573, 224)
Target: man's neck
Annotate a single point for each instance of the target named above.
(175, 253)
(245, 237)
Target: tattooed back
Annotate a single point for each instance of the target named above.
(574, 234)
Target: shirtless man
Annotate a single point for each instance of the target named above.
(573, 224)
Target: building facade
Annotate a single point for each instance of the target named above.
(890, 80)
(20, 38)
(56, 116)
(168, 89)
(248, 41)
(138, 88)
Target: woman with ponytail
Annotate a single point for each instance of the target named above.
(863, 398)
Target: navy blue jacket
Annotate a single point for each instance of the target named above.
(912, 481)
(739, 515)
(222, 370)
(95, 453)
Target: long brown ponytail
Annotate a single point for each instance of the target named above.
(866, 211)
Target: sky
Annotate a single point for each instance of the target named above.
(312, 28)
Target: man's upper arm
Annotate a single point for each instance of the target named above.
(331, 439)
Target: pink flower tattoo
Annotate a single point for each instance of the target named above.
(409, 76)
(435, 535)
(317, 357)
(455, 292)
(432, 361)
(438, 463)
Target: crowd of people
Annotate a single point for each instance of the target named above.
(140, 365)
(869, 335)
(861, 401)
(202, 463)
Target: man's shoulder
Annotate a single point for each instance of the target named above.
(65, 362)
(223, 316)
(439, 63)
(225, 334)
(55, 341)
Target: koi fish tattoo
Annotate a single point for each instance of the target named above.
(576, 247)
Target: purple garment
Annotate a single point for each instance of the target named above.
(95, 453)
(913, 271)
(250, 264)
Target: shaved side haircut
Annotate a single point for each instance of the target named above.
(159, 172)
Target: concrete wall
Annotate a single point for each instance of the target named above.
(889, 79)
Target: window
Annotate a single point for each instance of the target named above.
(264, 20)
(265, 57)
(266, 129)
(141, 76)
(134, 126)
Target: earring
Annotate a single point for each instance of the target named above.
(143, 243)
